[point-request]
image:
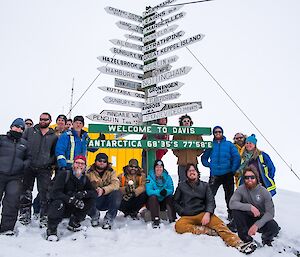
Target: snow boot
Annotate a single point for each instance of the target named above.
(156, 223)
(106, 224)
(43, 221)
(52, 235)
(95, 219)
(247, 248)
(25, 216)
(74, 225)
(7, 233)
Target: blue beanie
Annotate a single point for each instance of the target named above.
(18, 122)
(218, 127)
(252, 139)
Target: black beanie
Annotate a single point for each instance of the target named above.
(79, 118)
(158, 162)
(101, 156)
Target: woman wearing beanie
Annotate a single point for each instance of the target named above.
(251, 155)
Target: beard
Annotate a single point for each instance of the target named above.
(101, 168)
(44, 125)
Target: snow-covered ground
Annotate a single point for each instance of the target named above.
(136, 238)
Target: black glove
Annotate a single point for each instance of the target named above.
(128, 196)
(129, 189)
(77, 203)
(81, 194)
(163, 192)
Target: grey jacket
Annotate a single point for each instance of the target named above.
(192, 199)
(259, 197)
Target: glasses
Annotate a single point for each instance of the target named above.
(28, 123)
(44, 119)
(218, 131)
(80, 163)
(239, 138)
(249, 177)
(19, 126)
(133, 167)
(102, 160)
(186, 121)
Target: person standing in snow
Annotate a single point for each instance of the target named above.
(253, 209)
(239, 140)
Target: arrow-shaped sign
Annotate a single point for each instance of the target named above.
(127, 84)
(123, 102)
(126, 53)
(161, 69)
(160, 33)
(160, 63)
(121, 73)
(161, 14)
(129, 26)
(126, 44)
(150, 108)
(119, 62)
(157, 90)
(133, 37)
(159, 6)
(159, 99)
(122, 92)
(117, 117)
(123, 14)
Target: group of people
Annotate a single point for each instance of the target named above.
(56, 158)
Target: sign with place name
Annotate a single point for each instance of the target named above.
(173, 47)
(123, 14)
(175, 105)
(133, 37)
(150, 108)
(171, 112)
(161, 14)
(121, 92)
(149, 144)
(126, 53)
(160, 33)
(159, 6)
(117, 117)
(160, 63)
(166, 76)
(159, 99)
(161, 69)
(164, 22)
(163, 41)
(129, 26)
(126, 44)
(127, 84)
(170, 87)
(119, 62)
(154, 129)
(123, 102)
(121, 73)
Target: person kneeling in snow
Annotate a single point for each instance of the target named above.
(72, 196)
(195, 203)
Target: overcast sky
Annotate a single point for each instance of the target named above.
(251, 47)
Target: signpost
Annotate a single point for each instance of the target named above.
(158, 64)
(123, 14)
(161, 14)
(152, 108)
(127, 84)
(160, 33)
(133, 37)
(122, 92)
(119, 62)
(126, 44)
(124, 102)
(116, 117)
(159, 99)
(170, 87)
(130, 27)
(126, 53)
(121, 73)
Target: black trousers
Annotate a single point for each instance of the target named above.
(244, 220)
(58, 210)
(10, 191)
(133, 205)
(166, 204)
(228, 185)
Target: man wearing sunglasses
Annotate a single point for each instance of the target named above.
(106, 183)
(239, 141)
(253, 209)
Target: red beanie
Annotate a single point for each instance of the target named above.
(80, 157)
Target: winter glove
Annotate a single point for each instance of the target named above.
(77, 203)
(128, 196)
(163, 192)
(81, 194)
(130, 187)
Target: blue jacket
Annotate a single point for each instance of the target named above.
(154, 185)
(222, 158)
(68, 146)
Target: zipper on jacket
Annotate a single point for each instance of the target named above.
(14, 156)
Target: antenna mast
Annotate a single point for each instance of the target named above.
(71, 103)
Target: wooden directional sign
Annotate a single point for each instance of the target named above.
(157, 90)
(126, 44)
(119, 62)
(164, 22)
(127, 84)
(126, 53)
(154, 129)
(149, 144)
(165, 76)
(176, 105)
(157, 7)
(117, 117)
(160, 63)
(159, 99)
(161, 14)
(173, 47)
(130, 27)
(150, 108)
(161, 69)
(123, 102)
(171, 112)
(121, 73)
(133, 37)
(123, 14)
(122, 92)
(160, 33)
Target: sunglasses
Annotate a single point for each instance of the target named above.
(239, 138)
(134, 167)
(19, 126)
(218, 131)
(102, 160)
(249, 177)
(44, 119)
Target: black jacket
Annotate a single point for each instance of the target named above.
(192, 199)
(41, 147)
(67, 185)
(14, 155)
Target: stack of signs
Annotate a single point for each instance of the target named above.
(138, 71)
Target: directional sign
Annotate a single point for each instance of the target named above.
(159, 99)
(126, 44)
(133, 37)
(127, 84)
(163, 62)
(173, 47)
(129, 26)
(176, 105)
(171, 112)
(123, 14)
(164, 22)
(117, 117)
(163, 41)
(159, 6)
(119, 62)
(122, 92)
(149, 144)
(165, 76)
(154, 129)
(161, 69)
(121, 73)
(126, 53)
(157, 90)
(161, 14)
(123, 102)
(160, 33)
(150, 108)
